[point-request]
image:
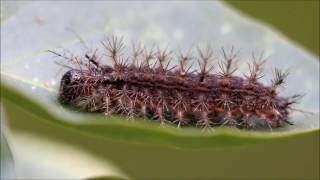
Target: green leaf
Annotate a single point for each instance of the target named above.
(30, 78)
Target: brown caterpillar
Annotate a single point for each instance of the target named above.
(135, 86)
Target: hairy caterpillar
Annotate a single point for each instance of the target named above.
(145, 85)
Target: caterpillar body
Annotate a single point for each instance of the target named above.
(145, 85)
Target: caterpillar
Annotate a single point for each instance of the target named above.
(144, 84)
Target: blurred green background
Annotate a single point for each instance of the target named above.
(297, 19)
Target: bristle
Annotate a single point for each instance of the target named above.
(205, 56)
(107, 104)
(162, 57)
(181, 120)
(228, 120)
(180, 103)
(228, 67)
(183, 60)
(145, 64)
(114, 47)
(204, 121)
(160, 116)
(137, 51)
(201, 104)
(294, 99)
(224, 102)
(279, 77)
(256, 69)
